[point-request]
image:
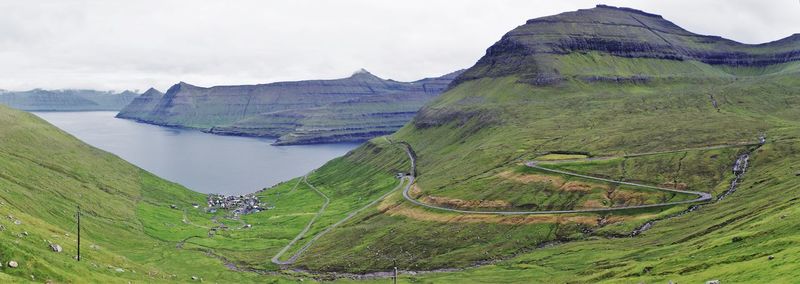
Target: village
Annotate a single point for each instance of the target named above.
(237, 205)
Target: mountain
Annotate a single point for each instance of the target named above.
(142, 103)
(66, 100)
(500, 162)
(550, 49)
(615, 94)
(352, 109)
(128, 228)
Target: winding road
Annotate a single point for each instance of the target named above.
(409, 180)
(701, 196)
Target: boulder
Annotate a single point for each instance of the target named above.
(13, 264)
(56, 248)
(195, 278)
(712, 282)
(119, 270)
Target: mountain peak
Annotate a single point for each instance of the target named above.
(151, 91)
(361, 71)
(533, 51)
(364, 74)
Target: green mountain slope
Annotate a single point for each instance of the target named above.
(607, 92)
(650, 102)
(45, 174)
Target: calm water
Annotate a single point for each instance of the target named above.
(202, 162)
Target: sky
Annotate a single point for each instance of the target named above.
(134, 45)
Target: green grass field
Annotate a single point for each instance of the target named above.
(644, 119)
(467, 150)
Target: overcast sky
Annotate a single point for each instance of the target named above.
(116, 45)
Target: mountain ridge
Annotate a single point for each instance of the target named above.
(619, 32)
(66, 100)
(351, 109)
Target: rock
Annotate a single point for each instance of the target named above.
(290, 109)
(13, 264)
(25, 233)
(771, 257)
(797, 174)
(712, 282)
(56, 247)
(119, 270)
(17, 222)
(194, 278)
(173, 206)
(67, 100)
(609, 30)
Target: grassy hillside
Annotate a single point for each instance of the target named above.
(658, 120)
(45, 174)
(606, 92)
(467, 147)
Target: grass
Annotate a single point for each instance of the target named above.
(558, 157)
(470, 144)
(126, 223)
(486, 127)
(730, 240)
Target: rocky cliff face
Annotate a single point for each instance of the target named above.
(66, 100)
(351, 109)
(141, 104)
(533, 51)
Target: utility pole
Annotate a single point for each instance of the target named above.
(395, 272)
(79, 233)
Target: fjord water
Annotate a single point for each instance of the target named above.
(202, 162)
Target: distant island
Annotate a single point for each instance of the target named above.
(66, 100)
(352, 109)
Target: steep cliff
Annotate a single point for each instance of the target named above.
(578, 45)
(66, 100)
(352, 109)
(141, 104)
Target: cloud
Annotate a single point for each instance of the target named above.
(137, 44)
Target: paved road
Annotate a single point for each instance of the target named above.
(701, 196)
(633, 155)
(293, 258)
(409, 181)
(276, 258)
